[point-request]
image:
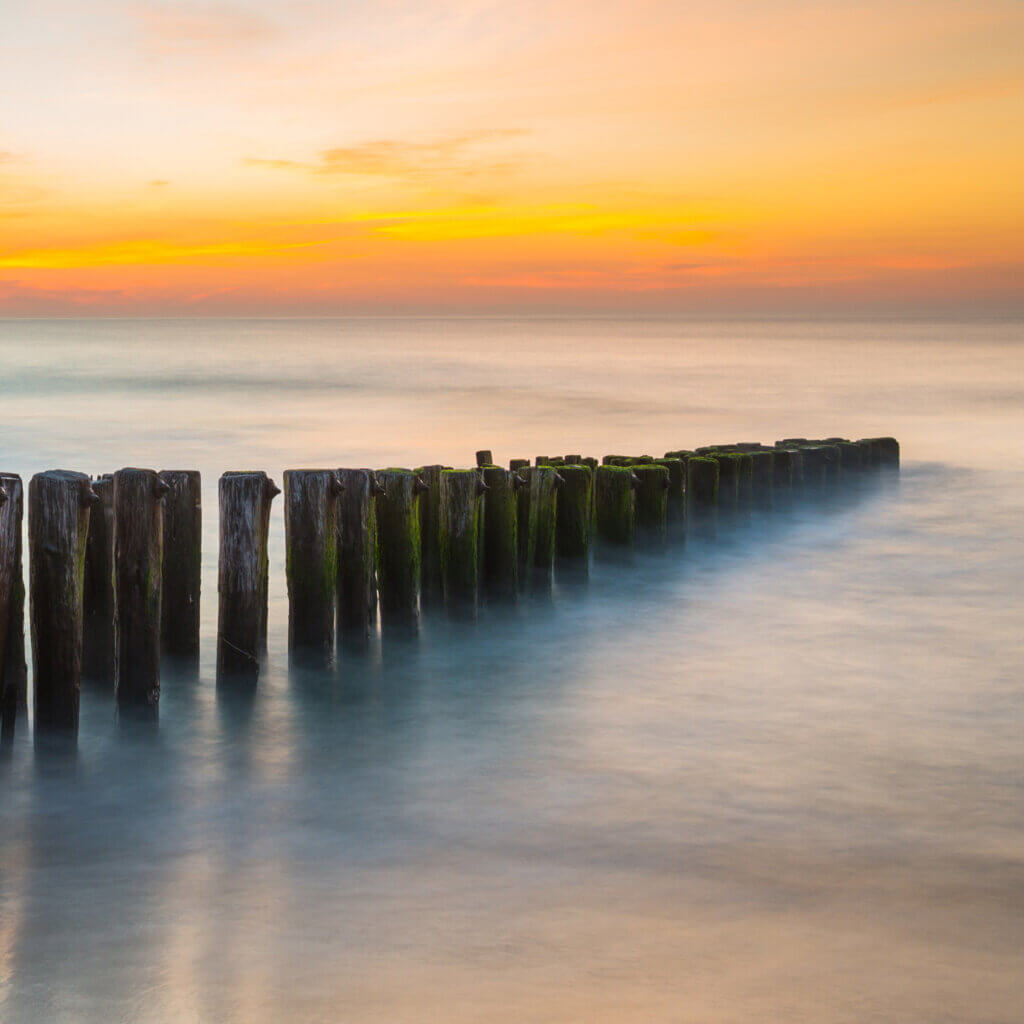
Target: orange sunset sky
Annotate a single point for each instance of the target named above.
(305, 157)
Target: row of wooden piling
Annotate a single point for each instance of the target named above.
(115, 562)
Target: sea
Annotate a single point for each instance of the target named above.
(774, 777)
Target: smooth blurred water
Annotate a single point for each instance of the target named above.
(775, 779)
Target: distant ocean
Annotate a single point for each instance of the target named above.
(774, 780)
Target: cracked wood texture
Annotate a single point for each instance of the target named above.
(13, 673)
(182, 563)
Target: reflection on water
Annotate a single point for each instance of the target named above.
(772, 779)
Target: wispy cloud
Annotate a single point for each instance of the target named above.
(158, 182)
(201, 26)
(465, 155)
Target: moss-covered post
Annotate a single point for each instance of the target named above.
(762, 466)
(885, 452)
(652, 503)
(13, 675)
(572, 460)
(517, 465)
(545, 482)
(58, 527)
(398, 548)
(357, 577)
(615, 500)
(98, 598)
(138, 566)
(783, 470)
(573, 517)
(183, 563)
(484, 458)
(501, 536)
(243, 573)
(311, 558)
(676, 494)
(728, 484)
(702, 478)
(462, 492)
(526, 519)
(431, 590)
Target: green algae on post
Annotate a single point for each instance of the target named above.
(501, 536)
(702, 482)
(615, 506)
(431, 595)
(484, 458)
(652, 502)
(398, 548)
(544, 482)
(13, 670)
(138, 570)
(762, 464)
(676, 492)
(243, 573)
(728, 482)
(58, 527)
(573, 515)
(461, 492)
(515, 465)
(182, 565)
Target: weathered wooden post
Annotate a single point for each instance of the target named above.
(183, 563)
(243, 572)
(501, 551)
(615, 500)
(357, 577)
(98, 599)
(728, 484)
(462, 492)
(526, 524)
(431, 591)
(516, 465)
(744, 482)
(58, 527)
(783, 471)
(702, 476)
(652, 503)
(138, 565)
(885, 451)
(398, 548)
(851, 461)
(544, 484)
(13, 683)
(572, 460)
(762, 465)
(676, 494)
(815, 469)
(573, 517)
(484, 458)
(311, 558)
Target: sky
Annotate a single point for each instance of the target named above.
(305, 157)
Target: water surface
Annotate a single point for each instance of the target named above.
(777, 779)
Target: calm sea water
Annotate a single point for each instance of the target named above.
(776, 780)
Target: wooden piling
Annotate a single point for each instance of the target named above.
(615, 506)
(885, 451)
(182, 564)
(311, 558)
(357, 576)
(702, 478)
(572, 460)
(58, 528)
(515, 465)
(98, 598)
(500, 573)
(762, 465)
(243, 573)
(652, 503)
(544, 483)
(728, 484)
(138, 567)
(13, 675)
(431, 589)
(783, 472)
(398, 548)
(462, 492)
(744, 482)
(676, 492)
(484, 458)
(573, 516)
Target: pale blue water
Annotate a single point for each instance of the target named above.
(775, 780)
